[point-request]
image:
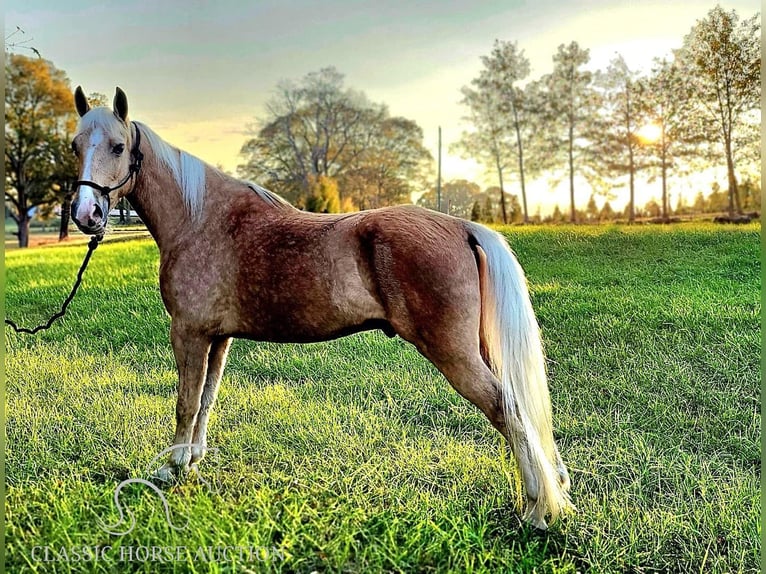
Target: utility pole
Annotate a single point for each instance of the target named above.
(439, 175)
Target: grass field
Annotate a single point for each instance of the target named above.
(357, 456)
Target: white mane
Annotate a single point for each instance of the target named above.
(188, 171)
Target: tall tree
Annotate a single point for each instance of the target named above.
(316, 127)
(487, 140)
(39, 120)
(677, 136)
(460, 195)
(622, 117)
(571, 111)
(722, 56)
(502, 114)
(503, 69)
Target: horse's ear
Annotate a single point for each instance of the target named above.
(120, 105)
(81, 102)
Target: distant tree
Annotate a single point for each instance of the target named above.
(487, 142)
(699, 205)
(750, 191)
(665, 98)
(39, 123)
(503, 69)
(490, 213)
(317, 127)
(622, 117)
(718, 200)
(571, 115)
(722, 59)
(393, 164)
(477, 213)
(607, 213)
(652, 208)
(591, 210)
(557, 216)
(459, 194)
(323, 195)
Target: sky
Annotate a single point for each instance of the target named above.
(200, 72)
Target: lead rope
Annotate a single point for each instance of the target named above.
(91, 248)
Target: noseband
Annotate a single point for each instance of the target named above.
(133, 169)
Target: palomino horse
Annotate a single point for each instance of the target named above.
(238, 261)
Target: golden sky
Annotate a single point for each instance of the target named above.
(200, 72)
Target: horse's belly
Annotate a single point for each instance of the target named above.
(308, 311)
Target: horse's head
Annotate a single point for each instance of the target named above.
(108, 161)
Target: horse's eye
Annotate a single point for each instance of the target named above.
(118, 149)
(74, 149)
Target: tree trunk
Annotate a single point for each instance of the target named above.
(521, 163)
(23, 233)
(572, 211)
(734, 203)
(664, 174)
(66, 212)
(631, 162)
(502, 191)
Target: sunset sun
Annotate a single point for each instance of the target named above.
(649, 133)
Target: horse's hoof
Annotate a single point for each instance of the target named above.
(533, 517)
(167, 474)
(198, 453)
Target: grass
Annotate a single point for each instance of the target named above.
(356, 456)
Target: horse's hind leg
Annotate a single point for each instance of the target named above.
(191, 351)
(470, 376)
(215, 364)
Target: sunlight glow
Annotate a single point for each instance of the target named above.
(649, 133)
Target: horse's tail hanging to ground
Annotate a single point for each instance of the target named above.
(512, 343)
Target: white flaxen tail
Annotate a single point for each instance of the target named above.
(512, 340)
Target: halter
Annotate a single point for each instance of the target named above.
(133, 169)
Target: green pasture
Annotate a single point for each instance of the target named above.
(357, 456)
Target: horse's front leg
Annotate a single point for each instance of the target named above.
(191, 351)
(215, 364)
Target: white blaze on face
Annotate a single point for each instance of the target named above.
(88, 198)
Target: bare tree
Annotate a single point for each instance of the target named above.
(722, 57)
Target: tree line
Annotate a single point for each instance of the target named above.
(591, 127)
(466, 199)
(326, 147)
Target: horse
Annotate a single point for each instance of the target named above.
(238, 261)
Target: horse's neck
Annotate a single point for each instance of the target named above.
(160, 204)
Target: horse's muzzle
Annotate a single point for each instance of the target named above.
(91, 221)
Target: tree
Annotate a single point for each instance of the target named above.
(39, 122)
(503, 69)
(316, 127)
(503, 117)
(571, 111)
(722, 56)
(622, 118)
(323, 195)
(487, 140)
(665, 99)
(460, 195)
(393, 164)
